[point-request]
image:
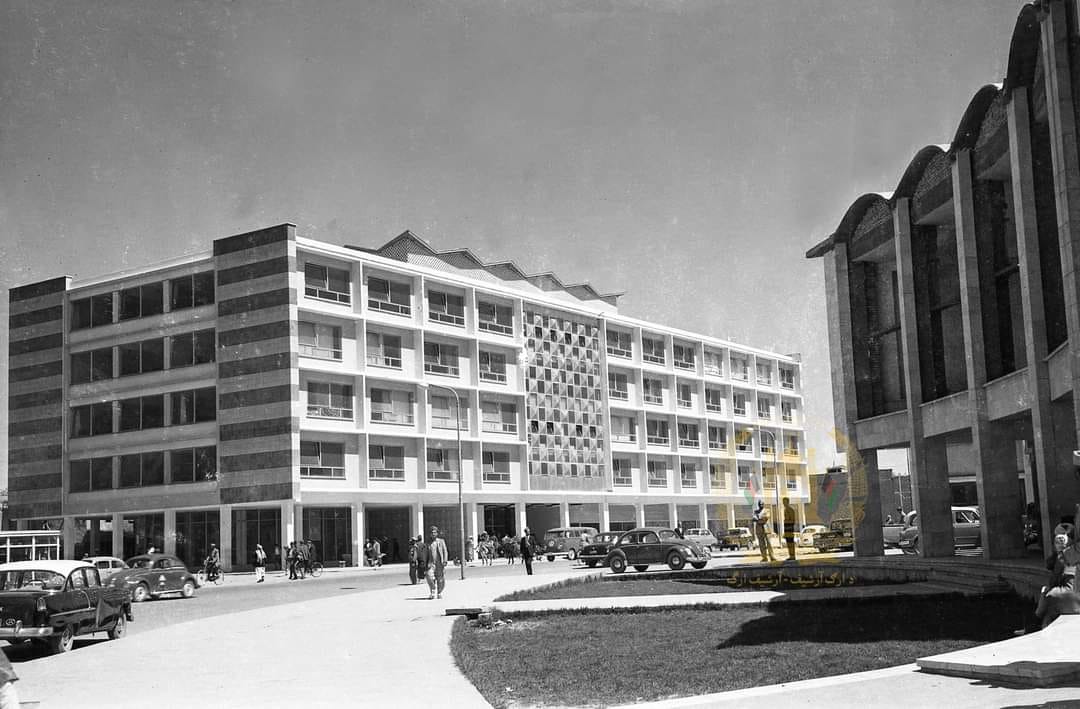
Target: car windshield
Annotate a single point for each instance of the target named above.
(31, 578)
(139, 562)
(668, 534)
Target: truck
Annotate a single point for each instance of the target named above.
(839, 537)
(892, 533)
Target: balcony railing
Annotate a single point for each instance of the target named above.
(685, 403)
(767, 450)
(330, 412)
(619, 394)
(490, 376)
(655, 359)
(331, 295)
(654, 399)
(787, 418)
(765, 415)
(623, 481)
(448, 318)
(386, 474)
(498, 427)
(659, 440)
(496, 327)
(793, 484)
(791, 452)
(713, 370)
(442, 475)
(742, 376)
(624, 437)
(391, 417)
(684, 364)
(739, 410)
(446, 370)
(784, 384)
(320, 352)
(496, 477)
(689, 482)
(689, 442)
(314, 471)
(378, 360)
(744, 448)
(390, 307)
(718, 408)
(764, 381)
(715, 445)
(657, 479)
(619, 352)
(449, 422)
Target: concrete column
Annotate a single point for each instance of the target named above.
(471, 523)
(564, 514)
(673, 514)
(118, 535)
(360, 534)
(418, 520)
(933, 499)
(639, 508)
(995, 473)
(605, 516)
(800, 510)
(703, 515)
(170, 532)
(288, 523)
(864, 488)
(67, 536)
(356, 546)
(731, 515)
(225, 527)
(520, 515)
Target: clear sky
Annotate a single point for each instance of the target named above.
(685, 152)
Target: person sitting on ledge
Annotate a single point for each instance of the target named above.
(1060, 595)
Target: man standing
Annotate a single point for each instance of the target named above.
(761, 528)
(437, 565)
(527, 551)
(789, 528)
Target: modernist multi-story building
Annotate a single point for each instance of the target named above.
(282, 388)
(954, 307)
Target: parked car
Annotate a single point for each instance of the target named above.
(565, 541)
(967, 530)
(644, 546)
(891, 534)
(155, 575)
(839, 536)
(737, 538)
(50, 602)
(702, 536)
(106, 565)
(597, 550)
(806, 536)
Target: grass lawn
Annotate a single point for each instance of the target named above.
(596, 659)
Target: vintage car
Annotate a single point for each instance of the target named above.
(967, 530)
(839, 537)
(50, 602)
(106, 565)
(566, 541)
(643, 546)
(737, 538)
(702, 536)
(154, 575)
(806, 536)
(596, 551)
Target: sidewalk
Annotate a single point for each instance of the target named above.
(390, 647)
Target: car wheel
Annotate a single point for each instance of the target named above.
(64, 641)
(571, 555)
(551, 557)
(591, 563)
(140, 593)
(641, 567)
(699, 564)
(188, 589)
(675, 561)
(119, 629)
(618, 564)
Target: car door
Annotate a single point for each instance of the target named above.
(169, 575)
(965, 528)
(95, 591)
(82, 609)
(650, 550)
(630, 544)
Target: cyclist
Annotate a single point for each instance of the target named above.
(213, 562)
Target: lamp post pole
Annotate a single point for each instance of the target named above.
(776, 482)
(460, 499)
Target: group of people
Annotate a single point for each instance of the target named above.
(428, 560)
(299, 557)
(762, 523)
(1060, 596)
(491, 547)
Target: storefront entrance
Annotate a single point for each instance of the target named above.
(390, 525)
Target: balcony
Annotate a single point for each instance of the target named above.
(715, 408)
(445, 370)
(787, 384)
(330, 412)
(620, 394)
(624, 437)
(715, 445)
(623, 481)
(684, 364)
(658, 479)
(448, 422)
(685, 403)
(659, 440)
(498, 427)
(791, 452)
(386, 474)
(744, 448)
(689, 482)
(742, 375)
(309, 471)
(787, 418)
(320, 352)
(689, 442)
(655, 359)
(391, 417)
(654, 399)
(739, 410)
(491, 376)
(387, 361)
(388, 306)
(764, 415)
(767, 450)
(330, 295)
(446, 318)
(439, 475)
(494, 477)
(496, 327)
(713, 370)
(619, 352)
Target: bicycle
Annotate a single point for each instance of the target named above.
(216, 577)
(316, 569)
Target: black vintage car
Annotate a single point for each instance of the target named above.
(50, 602)
(154, 575)
(655, 545)
(596, 551)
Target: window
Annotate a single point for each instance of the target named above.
(746, 477)
(92, 366)
(92, 420)
(768, 477)
(684, 397)
(792, 447)
(786, 413)
(618, 344)
(191, 291)
(386, 462)
(383, 350)
(443, 414)
(142, 357)
(320, 340)
(441, 359)
(622, 474)
(492, 317)
(656, 432)
(327, 283)
(492, 367)
(389, 297)
(658, 473)
(141, 301)
(764, 407)
(738, 404)
(142, 413)
(653, 390)
(714, 363)
(652, 350)
(496, 466)
(744, 441)
(623, 429)
(767, 443)
(688, 435)
(142, 469)
(764, 373)
(683, 355)
(327, 400)
(718, 438)
(499, 417)
(446, 308)
(740, 368)
(787, 378)
(391, 406)
(319, 459)
(792, 482)
(90, 475)
(689, 476)
(95, 311)
(618, 388)
(189, 465)
(193, 406)
(718, 476)
(442, 464)
(191, 348)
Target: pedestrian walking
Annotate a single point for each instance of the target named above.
(760, 519)
(423, 556)
(412, 561)
(789, 528)
(309, 555)
(527, 551)
(438, 557)
(260, 564)
(291, 558)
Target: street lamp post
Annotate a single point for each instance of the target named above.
(776, 482)
(460, 500)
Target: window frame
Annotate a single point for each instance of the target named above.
(319, 286)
